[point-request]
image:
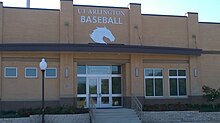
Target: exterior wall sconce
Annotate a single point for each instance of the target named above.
(136, 72)
(195, 72)
(66, 72)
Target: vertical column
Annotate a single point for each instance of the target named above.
(66, 21)
(135, 24)
(126, 85)
(137, 75)
(193, 27)
(1, 22)
(66, 79)
(194, 63)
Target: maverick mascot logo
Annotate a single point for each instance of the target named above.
(99, 33)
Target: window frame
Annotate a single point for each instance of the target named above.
(31, 76)
(16, 72)
(153, 77)
(177, 77)
(50, 77)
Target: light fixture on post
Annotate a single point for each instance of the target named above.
(43, 67)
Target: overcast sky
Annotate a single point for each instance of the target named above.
(208, 9)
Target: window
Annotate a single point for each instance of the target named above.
(81, 69)
(116, 69)
(153, 82)
(116, 85)
(51, 73)
(31, 72)
(177, 79)
(10, 72)
(81, 85)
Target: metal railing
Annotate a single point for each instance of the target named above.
(137, 106)
(92, 109)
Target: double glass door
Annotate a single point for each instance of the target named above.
(100, 91)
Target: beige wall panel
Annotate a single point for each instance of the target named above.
(135, 24)
(30, 26)
(209, 37)
(195, 78)
(165, 57)
(66, 75)
(31, 55)
(83, 27)
(166, 67)
(75, 79)
(126, 79)
(165, 31)
(192, 29)
(22, 88)
(137, 82)
(210, 70)
(66, 22)
(101, 56)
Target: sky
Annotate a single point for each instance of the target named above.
(208, 9)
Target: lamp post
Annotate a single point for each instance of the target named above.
(43, 66)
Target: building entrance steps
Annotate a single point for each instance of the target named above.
(119, 115)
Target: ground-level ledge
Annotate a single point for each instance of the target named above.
(180, 116)
(69, 118)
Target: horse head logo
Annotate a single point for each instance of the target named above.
(99, 33)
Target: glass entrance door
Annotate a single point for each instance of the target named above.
(100, 90)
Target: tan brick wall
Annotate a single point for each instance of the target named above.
(30, 26)
(165, 31)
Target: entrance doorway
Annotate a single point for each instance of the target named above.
(100, 90)
(102, 83)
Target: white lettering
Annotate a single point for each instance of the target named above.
(82, 19)
(110, 20)
(105, 19)
(94, 19)
(88, 20)
(99, 19)
(119, 21)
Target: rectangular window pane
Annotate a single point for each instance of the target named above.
(148, 72)
(10, 72)
(81, 85)
(116, 69)
(149, 87)
(181, 72)
(158, 87)
(81, 69)
(99, 69)
(31, 72)
(93, 86)
(104, 86)
(172, 72)
(116, 101)
(182, 86)
(173, 87)
(157, 72)
(116, 85)
(105, 100)
(51, 73)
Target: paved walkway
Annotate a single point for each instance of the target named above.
(120, 115)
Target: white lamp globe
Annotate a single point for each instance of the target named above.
(43, 64)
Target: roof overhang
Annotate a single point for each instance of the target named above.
(119, 48)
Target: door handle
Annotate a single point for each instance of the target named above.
(99, 95)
